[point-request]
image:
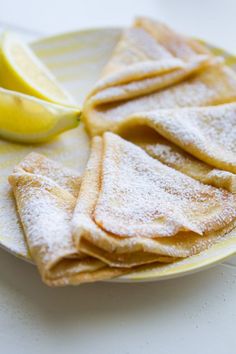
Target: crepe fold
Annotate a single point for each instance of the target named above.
(45, 194)
(132, 209)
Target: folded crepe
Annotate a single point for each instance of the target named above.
(132, 208)
(198, 141)
(84, 224)
(142, 63)
(45, 194)
(208, 133)
(154, 67)
(173, 156)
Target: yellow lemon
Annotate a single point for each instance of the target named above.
(28, 119)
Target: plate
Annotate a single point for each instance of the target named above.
(76, 59)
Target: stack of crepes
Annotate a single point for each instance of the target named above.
(156, 79)
(133, 207)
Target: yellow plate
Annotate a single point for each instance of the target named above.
(76, 59)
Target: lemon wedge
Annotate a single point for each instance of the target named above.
(22, 71)
(28, 119)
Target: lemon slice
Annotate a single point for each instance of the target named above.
(22, 71)
(28, 119)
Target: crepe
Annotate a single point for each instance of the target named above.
(142, 63)
(173, 156)
(145, 52)
(208, 133)
(83, 223)
(154, 67)
(45, 196)
(214, 85)
(134, 208)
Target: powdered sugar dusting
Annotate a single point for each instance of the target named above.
(40, 165)
(45, 211)
(207, 133)
(135, 45)
(139, 71)
(213, 85)
(174, 157)
(136, 87)
(141, 196)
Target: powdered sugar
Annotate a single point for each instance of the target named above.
(40, 165)
(214, 85)
(207, 133)
(45, 211)
(136, 88)
(141, 196)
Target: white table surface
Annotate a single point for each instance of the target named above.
(190, 315)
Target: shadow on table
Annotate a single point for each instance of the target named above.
(88, 303)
